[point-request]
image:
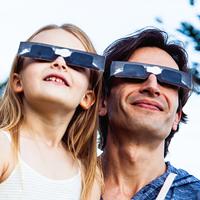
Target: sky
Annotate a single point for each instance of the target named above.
(105, 21)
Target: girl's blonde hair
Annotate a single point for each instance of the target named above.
(80, 136)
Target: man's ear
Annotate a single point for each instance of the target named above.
(102, 107)
(88, 99)
(17, 83)
(176, 120)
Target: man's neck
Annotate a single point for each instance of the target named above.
(129, 167)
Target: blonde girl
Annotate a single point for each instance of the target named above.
(48, 118)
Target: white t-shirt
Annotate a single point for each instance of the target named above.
(24, 183)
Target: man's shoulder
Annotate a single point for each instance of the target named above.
(187, 181)
(185, 185)
(184, 181)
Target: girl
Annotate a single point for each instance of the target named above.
(48, 117)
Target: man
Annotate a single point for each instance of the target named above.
(146, 85)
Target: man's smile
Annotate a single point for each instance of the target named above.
(148, 104)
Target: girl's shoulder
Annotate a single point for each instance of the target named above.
(6, 154)
(96, 191)
(97, 186)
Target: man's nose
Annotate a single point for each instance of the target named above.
(59, 63)
(150, 86)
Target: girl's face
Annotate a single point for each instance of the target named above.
(54, 85)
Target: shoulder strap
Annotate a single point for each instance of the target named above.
(166, 186)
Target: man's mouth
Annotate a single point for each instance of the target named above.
(149, 104)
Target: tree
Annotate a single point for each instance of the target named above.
(2, 86)
(193, 34)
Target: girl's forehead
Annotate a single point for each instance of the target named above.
(59, 37)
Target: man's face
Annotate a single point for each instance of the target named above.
(144, 108)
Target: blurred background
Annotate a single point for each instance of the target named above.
(105, 21)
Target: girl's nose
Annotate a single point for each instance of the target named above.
(59, 63)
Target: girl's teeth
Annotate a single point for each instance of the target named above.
(55, 79)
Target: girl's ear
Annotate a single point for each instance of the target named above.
(17, 83)
(88, 100)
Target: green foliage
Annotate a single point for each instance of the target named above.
(193, 34)
(2, 86)
(192, 2)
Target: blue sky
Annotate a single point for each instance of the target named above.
(104, 21)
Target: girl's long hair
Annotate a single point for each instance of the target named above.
(80, 136)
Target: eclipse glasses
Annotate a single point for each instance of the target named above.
(141, 71)
(72, 57)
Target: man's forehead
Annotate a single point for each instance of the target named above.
(153, 55)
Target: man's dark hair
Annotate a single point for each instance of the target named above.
(122, 49)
